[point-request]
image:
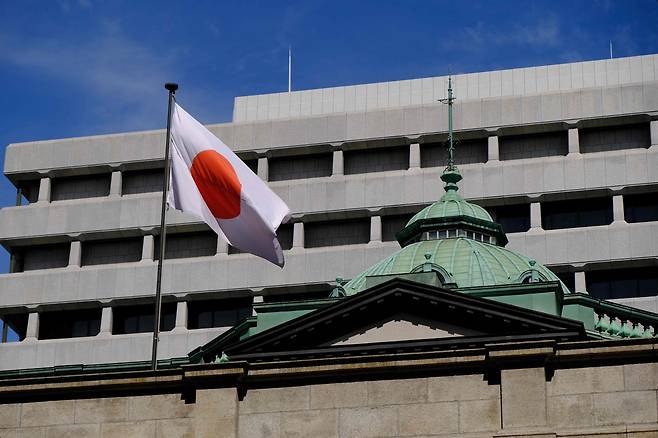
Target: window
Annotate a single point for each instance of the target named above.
(13, 327)
(251, 164)
(298, 296)
(32, 258)
(338, 232)
(218, 313)
(142, 181)
(100, 252)
(139, 319)
(392, 224)
(69, 323)
(611, 138)
(641, 208)
(376, 160)
(79, 187)
(300, 167)
(513, 218)
(184, 245)
(284, 234)
(568, 278)
(544, 144)
(466, 152)
(623, 283)
(234, 250)
(587, 212)
(29, 191)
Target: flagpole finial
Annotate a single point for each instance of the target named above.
(171, 86)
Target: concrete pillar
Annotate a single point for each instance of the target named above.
(44, 190)
(580, 285)
(654, 133)
(376, 229)
(493, 150)
(298, 235)
(115, 184)
(574, 142)
(222, 246)
(535, 215)
(337, 167)
(32, 332)
(618, 209)
(181, 317)
(257, 300)
(263, 168)
(75, 253)
(414, 156)
(148, 247)
(106, 322)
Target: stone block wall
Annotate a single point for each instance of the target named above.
(605, 401)
(383, 408)
(213, 415)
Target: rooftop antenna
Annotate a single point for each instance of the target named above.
(451, 145)
(610, 49)
(289, 69)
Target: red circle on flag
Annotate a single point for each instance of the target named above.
(218, 183)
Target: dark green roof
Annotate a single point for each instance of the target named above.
(467, 262)
(450, 205)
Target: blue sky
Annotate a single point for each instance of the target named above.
(82, 67)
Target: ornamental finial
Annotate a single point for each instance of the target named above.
(451, 146)
(450, 175)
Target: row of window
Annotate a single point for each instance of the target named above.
(77, 323)
(368, 160)
(130, 319)
(444, 234)
(613, 283)
(515, 218)
(577, 213)
(617, 282)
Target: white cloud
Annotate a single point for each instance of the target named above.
(122, 76)
(544, 32)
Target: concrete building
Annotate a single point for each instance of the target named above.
(454, 333)
(565, 157)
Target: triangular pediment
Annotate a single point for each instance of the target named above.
(396, 315)
(404, 327)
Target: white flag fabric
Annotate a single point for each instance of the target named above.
(210, 182)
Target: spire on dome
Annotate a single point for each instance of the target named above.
(451, 175)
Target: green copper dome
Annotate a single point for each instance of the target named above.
(462, 261)
(455, 239)
(451, 212)
(459, 241)
(451, 204)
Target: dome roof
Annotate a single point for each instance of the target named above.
(451, 204)
(467, 262)
(461, 242)
(457, 240)
(451, 212)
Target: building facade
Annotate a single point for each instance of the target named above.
(565, 157)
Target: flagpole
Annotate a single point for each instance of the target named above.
(171, 87)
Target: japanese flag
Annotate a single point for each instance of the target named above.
(210, 182)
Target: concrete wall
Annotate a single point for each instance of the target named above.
(104, 348)
(490, 105)
(486, 182)
(606, 401)
(485, 85)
